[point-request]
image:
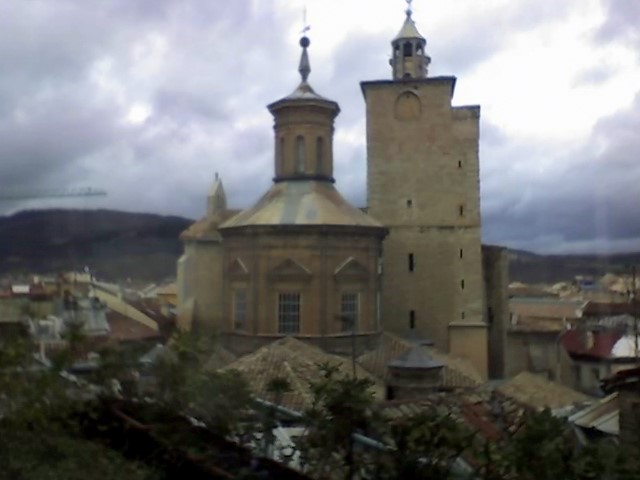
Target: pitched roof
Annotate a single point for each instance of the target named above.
(480, 409)
(457, 372)
(124, 329)
(546, 308)
(538, 393)
(415, 358)
(608, 309)
(603, 415)
(296, 361)
(207, 228)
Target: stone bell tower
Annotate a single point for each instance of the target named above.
(423, 184)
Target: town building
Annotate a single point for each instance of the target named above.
(304, 262)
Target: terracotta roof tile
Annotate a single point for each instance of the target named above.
(296, 361)
(123, 329)
(457, 372)
(537, 392)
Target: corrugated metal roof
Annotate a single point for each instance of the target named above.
(602, 415)
(302, 202)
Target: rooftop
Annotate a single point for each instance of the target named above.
(538, 393)
(297, 362)
(302, 202)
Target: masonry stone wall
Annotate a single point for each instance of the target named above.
(200, 279)
(423, 184)
(317, 262)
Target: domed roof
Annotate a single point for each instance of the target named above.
(302, 202)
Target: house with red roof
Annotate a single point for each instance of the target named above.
(599, 353)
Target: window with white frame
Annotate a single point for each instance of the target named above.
(289, 312)
(240, 309)
(349, 310)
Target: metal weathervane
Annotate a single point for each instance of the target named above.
(305, 26)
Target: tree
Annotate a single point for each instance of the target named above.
(341, 407)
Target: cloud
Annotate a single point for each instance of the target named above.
(148, 99)
(589, 201)
(622, 23)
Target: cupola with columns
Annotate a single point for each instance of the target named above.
(408, 57)
(304, 130)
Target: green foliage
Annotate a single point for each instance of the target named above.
(341, 406)
(424, 445)
(220, 399)
(55, 455)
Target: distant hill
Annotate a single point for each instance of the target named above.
(119, 245)
(116, 245)
(529, 267)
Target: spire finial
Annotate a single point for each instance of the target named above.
(305, 67)
(408, 11)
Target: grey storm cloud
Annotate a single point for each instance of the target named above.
(591, 196)
(622, 23)
(206, 71)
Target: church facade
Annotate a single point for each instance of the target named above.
(304, 262)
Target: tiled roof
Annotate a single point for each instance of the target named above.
(545, 308)
(480, 409)
(457, 372)
(297, 362)
(207, 228)
(602, 309)
(538, 325)
(537, 392)
(415, 358)
(124, 329)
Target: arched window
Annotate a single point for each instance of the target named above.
(407, 49)
(300, 154)
(319, 155)
(280, 157)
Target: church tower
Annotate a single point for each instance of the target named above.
(423, 184)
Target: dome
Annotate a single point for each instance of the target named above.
(306, 202)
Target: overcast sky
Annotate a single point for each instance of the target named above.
(147, 99)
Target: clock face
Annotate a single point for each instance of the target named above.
(408, 107)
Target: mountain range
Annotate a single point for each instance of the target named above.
(118, 245)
